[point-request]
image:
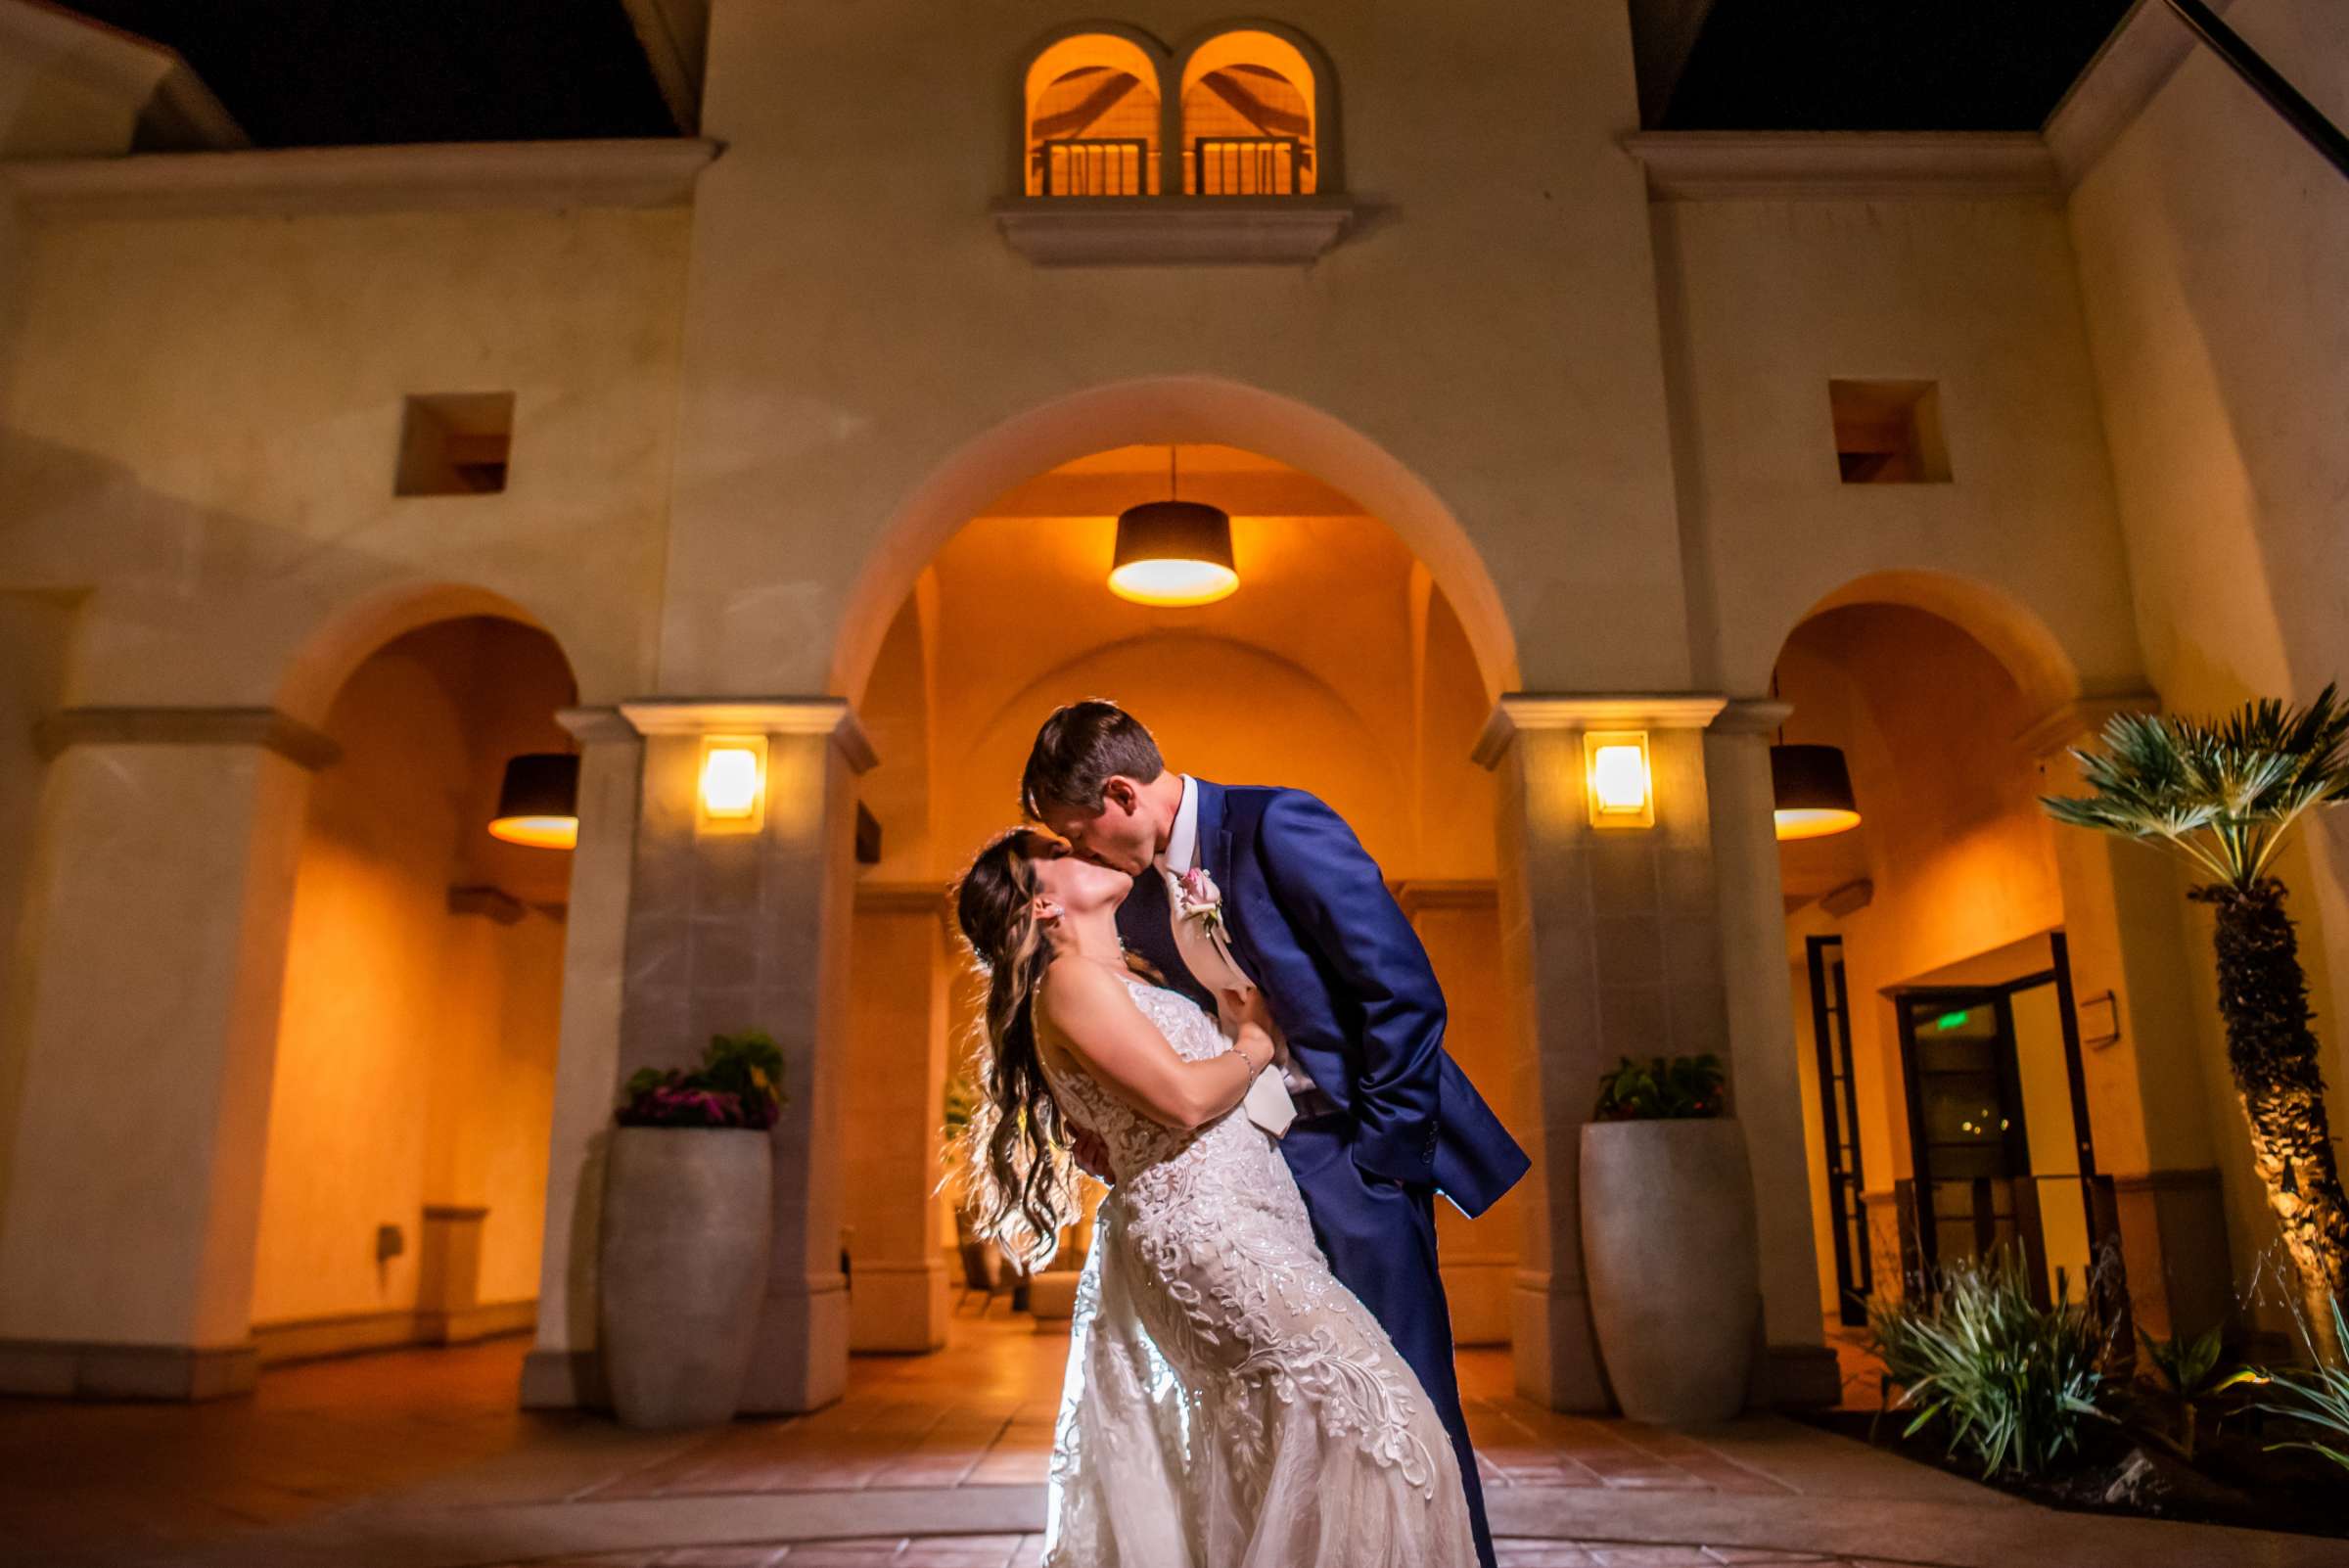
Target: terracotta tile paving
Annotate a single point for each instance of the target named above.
(979, 1414)
(1024, 1551)
(105, 1478)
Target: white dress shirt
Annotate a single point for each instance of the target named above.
(1212, 963)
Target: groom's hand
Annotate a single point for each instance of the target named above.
(1090, 1154)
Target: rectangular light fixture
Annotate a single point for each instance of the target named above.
(1618, 781)
(732, 784)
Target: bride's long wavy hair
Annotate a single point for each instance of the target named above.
(1019, 1183)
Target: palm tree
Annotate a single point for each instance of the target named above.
(2225, 795)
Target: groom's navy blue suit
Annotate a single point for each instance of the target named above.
(1309, 918)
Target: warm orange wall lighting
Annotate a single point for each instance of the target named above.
(1618, 780)
(732, 783)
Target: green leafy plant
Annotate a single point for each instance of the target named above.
(2317, 1399)
(1661, 1087)
(739, 1084)
(2187, 1373)
(2016, 1382)
(2225, 795)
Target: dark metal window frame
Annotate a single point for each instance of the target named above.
(1839, 1125)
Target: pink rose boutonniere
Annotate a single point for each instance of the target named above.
(1200, 898)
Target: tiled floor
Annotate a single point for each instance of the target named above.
(419, 1459)
(981, 1415)
(1022, 1551)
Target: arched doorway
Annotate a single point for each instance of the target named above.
(404, 1174)
(1958, 968)
(1339, 665)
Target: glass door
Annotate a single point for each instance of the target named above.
(1998, 1125)
(1968, 1142)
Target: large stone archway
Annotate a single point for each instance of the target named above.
(1162, 411)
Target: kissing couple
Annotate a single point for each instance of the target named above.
(1206, 995)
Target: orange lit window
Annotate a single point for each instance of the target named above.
(1092, 119)
(1250, 119)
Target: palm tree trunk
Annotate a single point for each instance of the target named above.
(2262, 998)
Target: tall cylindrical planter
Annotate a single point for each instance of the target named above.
(685, 1238)
(1673, 1265)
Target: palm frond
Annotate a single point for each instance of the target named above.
(2224, 793)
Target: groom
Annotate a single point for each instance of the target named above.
(1289, 901)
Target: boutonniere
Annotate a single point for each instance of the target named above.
(1200, 899)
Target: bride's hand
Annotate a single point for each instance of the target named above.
(1247, 1004)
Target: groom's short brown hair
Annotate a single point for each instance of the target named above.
(1080, 748)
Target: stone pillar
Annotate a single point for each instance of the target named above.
(898, 1297)
(1611, 948)
(1457, 926)
(1764, 1081)
(562, 1368)
(2152, 1108)
(731, 931)
(149, 966)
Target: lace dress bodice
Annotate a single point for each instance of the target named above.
(1218, 1366)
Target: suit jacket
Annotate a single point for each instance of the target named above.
(1308, 916)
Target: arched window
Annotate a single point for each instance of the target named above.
(1093, 124)
(1251, 117)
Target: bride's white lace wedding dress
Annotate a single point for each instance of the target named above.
(1228, 1404)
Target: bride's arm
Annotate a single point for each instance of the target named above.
(1092, 1009)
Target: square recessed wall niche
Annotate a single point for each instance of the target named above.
(455, 444)
(1889, 432)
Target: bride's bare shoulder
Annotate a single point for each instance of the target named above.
(1076, 992)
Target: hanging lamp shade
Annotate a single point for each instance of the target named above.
(1172, 553)
(1812, 788)
(538, 801)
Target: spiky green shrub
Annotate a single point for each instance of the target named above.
(2016, 1382)
(2317, 1399)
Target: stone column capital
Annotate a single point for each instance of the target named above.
(2069, 722)
(1526, 710)
(1750, 715)
(830, 716)
(270, 728)
(591, 727)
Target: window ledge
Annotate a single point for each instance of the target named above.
(1173, 231)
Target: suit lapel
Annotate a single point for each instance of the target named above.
(1144, 922)
(1214, 856)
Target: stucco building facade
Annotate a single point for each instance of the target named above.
(811, 426)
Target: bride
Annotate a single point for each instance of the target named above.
(1228, 1404)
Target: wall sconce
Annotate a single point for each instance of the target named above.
(1620, 786)
(732, 784)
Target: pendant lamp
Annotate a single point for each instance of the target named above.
(1172, 552)
(1809, 787)
(538, 801)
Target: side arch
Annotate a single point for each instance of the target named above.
(342, 640)
(2015, 635)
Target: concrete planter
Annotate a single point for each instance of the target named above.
(1673, 1265)
(686, 1240)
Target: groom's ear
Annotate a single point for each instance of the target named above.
(1121, 792)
